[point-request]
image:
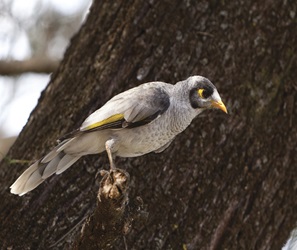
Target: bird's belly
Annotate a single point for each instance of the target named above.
(142, 140)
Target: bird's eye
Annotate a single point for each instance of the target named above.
(204, 93)
(201, 93)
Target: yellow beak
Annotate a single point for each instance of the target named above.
(219, 105)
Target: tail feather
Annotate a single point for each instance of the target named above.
(51, 155)
(66, 162)
(33, 181)
(50, 166)
(55, 162)
(20, 184)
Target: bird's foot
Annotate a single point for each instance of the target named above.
(114, 184)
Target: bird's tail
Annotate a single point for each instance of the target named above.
(57, 161)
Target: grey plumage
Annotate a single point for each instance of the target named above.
(138, 121)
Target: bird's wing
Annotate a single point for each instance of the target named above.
(132, 108)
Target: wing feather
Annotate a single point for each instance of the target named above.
(134, 107)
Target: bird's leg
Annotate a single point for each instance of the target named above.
(109, 147)
(112, 166)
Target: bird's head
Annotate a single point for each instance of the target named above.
(203, 94)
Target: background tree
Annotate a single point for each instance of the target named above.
(31, 44)
(228, 182)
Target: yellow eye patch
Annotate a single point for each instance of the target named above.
(201, 92)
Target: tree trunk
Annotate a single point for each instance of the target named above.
(227, 182)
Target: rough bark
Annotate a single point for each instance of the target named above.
(113, 216)
(227, 182)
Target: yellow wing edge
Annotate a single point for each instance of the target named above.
(108, 120)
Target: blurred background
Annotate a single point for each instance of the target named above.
(33, 37)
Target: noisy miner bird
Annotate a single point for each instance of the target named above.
(138, 121)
